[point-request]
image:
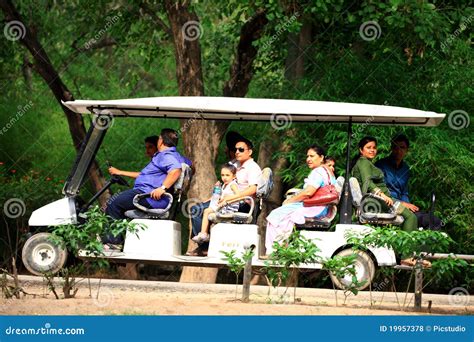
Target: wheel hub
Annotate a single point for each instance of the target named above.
(44, 254)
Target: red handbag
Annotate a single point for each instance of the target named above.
(324, 195)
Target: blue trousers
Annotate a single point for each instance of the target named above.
(118, 205)
(116, 208)
(197, 212)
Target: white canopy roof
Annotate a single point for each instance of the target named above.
(248, 109)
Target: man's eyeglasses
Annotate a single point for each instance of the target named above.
(239, 149)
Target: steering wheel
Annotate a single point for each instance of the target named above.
(116, 178)
(119, 180)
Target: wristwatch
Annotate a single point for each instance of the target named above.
(163, 187)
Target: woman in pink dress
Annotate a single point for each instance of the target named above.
(281, 221)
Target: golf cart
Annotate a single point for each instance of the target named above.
(160, 243)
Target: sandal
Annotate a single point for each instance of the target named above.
(412, 262)
(201, 238)
(112, 247)
(197, 252)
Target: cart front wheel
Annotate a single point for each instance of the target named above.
(40, 255)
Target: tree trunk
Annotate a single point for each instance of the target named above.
(43, 65)
(201, 139)
(297, 45)
(277, 165)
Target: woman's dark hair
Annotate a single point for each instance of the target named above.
(364, 141)
(230, 167)
(169, 136)
(319, 150)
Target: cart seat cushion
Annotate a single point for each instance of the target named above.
(138, 214)
(356, 191)
(235, 217)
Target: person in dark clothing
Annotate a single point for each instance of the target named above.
(397, 175)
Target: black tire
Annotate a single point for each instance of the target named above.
(40, 255)
(365, 270)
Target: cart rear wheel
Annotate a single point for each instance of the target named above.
(40, 255)
(365, 270)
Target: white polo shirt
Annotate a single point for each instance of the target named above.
(249, 173)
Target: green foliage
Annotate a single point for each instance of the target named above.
(288, 255)
(343, 266)
(443, 272)
(85, 236)
(404, 243)
(237, 263)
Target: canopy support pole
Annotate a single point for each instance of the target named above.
(345, 214)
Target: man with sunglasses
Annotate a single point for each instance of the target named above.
(248, 177)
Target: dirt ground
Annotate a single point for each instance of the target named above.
(121, 297)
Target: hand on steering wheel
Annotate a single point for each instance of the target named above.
(116, 178)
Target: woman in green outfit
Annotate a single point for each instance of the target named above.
(372, 181)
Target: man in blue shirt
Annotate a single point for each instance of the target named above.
(397, 174)
(156, 178)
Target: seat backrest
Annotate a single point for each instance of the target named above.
(181, 187)
(265, 186)
(184, 180)
(339, 185)
(356, 191)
